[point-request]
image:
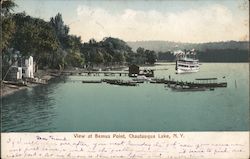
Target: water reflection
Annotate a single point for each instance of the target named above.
(30, 109)
(70, 105)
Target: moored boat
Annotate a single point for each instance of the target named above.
(91, 81)
(200, 84)
(187, 88)
(120, 82)
(186, 62)
(141, 79)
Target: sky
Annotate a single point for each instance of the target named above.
(194, 21)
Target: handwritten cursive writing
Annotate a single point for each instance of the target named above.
(69, 145)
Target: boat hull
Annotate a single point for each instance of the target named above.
(188, 89)
(187, 65)
(184, 70)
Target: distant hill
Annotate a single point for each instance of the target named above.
(164, 46)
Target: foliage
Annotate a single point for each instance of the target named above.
(7, 23)
(166, 56)
(52, 47)
(225, 55)
(7, 6)
(150, 56)
(69, 45)
(74, 60)
(8, 29)
(164, 46)
(108, 51)
(61, 30)
(212, 55)
(34, 37)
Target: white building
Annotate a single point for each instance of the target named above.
(15, 73)
(19, 73)
(29, 68)
(26, 70)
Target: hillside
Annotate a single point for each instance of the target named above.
(170, 46)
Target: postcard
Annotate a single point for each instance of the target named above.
(124, 79)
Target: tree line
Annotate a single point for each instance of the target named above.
(164, 46)
(51, 45)
(114, 51)
(212, 55)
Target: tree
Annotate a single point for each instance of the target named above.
(119, 57)
(140, 56)
(35, 37)
(116, 44)
(98, 58)
(166, 56)
(70, 44)
(107, 51)
(58, 24)
(8, 29)
(7, 23)
(150, 56)
(74, 43)
(107, 58)
(130, 58)
(73, 57)
(74, 60)
(140, 50)
(92, 41)
(7, 6)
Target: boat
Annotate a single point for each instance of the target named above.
(127, 83)
(208, 82)
(179, 88)
(186, 62)
(158, 81)
(146, 73)
(201, 84)
(141, 79)
(120, 82)
(91, 81)
(110, 81)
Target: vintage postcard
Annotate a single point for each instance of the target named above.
(124, 79)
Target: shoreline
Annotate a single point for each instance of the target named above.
(10, 89)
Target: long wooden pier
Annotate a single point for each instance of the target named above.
(105, 73)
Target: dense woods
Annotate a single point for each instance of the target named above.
(212, 55)
(51, 45)
(225, 55)
(163, 46)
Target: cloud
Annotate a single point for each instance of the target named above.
(211, 23)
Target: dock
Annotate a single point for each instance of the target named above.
(95, 73)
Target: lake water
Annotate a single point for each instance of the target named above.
(69, 105)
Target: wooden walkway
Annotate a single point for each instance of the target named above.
(81, 72)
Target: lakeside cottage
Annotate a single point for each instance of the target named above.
(22, 69)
